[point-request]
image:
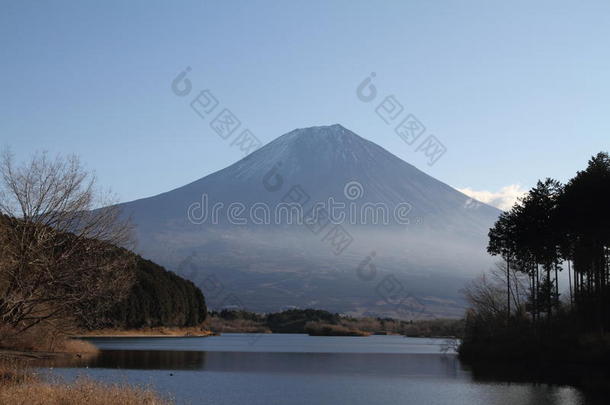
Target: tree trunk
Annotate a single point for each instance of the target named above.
(570, 282)
(508, 288)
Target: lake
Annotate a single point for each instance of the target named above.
(301, 369)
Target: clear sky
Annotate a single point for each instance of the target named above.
(514, 90)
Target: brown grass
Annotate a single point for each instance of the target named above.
(323, 329)
(43, 340)
(152, 332)
(77, 346)
(219, 325)
(82, 391)
(14, 372)
(19, 386)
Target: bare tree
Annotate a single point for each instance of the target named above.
(487, 293)
(58, 244)
(485, 296)
(519, 284)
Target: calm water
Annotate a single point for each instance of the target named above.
(300, 369)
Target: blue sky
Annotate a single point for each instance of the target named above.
(516, 91)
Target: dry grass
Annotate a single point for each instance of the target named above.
(14, 372)
(247, 322)
(220, 325)
(19, 386)
(31, 340)
(82, 391)
(43, 340)
(152, 332)
(323, 329)
(76, 346)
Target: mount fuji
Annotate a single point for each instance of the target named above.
(262, 234)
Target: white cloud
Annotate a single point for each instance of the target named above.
(503, 199)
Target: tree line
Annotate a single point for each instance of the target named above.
(158, 297)
(321, 322)
(554, 228)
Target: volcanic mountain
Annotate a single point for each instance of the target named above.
(320, 218)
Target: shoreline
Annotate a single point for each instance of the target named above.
(159, 332)
(139, 334)
(93, 336)
(32, 356)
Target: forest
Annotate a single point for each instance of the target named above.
(158, 297)
(150, 295)
(519, 311)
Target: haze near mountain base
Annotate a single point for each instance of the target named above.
(320, 218)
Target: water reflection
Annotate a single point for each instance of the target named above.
(134, 360)
(592, 381)
(288, 343)
(301, 370)
(394, 365)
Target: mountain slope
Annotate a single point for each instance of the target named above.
(437, 240)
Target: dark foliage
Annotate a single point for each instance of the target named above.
(294, 320)
(231, 315)
(554, 228)
(158, 298)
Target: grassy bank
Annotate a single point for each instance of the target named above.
(193, 331)
(19, 385)
(41, 342)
